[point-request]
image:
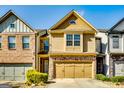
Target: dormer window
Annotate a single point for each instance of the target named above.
(72, 22)
(12, 25)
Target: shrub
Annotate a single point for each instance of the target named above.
(27, 83)
(36, 77)
(116, 79)
(44, 77)
(102, 77)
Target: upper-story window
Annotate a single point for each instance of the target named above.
(98, 45)
(69, 39)
(72, 22)
(0, 41)
(46, 45)
(76, 40)
(11, 42)
(25, 42)
(12, 25)
(115, 41)
(72, 40)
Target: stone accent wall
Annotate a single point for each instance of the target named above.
(51, 68)
(17, 55)
(110, 67)
(115, 59)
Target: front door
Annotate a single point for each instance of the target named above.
(99, 65)
(44, 65)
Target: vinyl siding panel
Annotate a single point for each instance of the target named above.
(89, 43)
(57, 42)
(120, 27)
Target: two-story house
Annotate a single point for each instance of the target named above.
(17, 47)
(116, 49)
(72, 52)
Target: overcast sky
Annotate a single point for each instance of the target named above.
(43, 17)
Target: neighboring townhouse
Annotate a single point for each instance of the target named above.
(102, 64)
(72, 51)
(116, 49)
(17, 47)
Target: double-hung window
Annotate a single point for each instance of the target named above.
(76, 40)
(115, 41)
(69, 40)
(11, 42)
(46, 45)
(72, 40)
(0, 42)
(25, 42)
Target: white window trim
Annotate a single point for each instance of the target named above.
(72, 40)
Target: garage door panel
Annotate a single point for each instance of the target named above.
(59, 70)
(9, 78)
(19, 70)
(79, 70)
(1, 70)
(119, 69)
(88, 70)
(27, 67)
(19, 78)
(69, 70)
(9, 70)
(1, 77)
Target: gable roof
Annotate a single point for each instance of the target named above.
(112, 28)
(67, 15)
(8, 14)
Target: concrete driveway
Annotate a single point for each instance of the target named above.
(76, 83)
(4, 84)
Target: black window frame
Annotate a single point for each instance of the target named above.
(72, 22)
(27, 44)
(10, 45)
(12, 25)
(100, 45)
(115, 42)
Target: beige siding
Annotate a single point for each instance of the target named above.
(81, 25)
(57, 42)
(87, 40)
(19, 25)
(89, 43)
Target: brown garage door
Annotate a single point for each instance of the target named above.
(73, 70)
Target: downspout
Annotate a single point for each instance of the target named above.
(36, 34)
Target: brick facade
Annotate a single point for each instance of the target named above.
(17, 55)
